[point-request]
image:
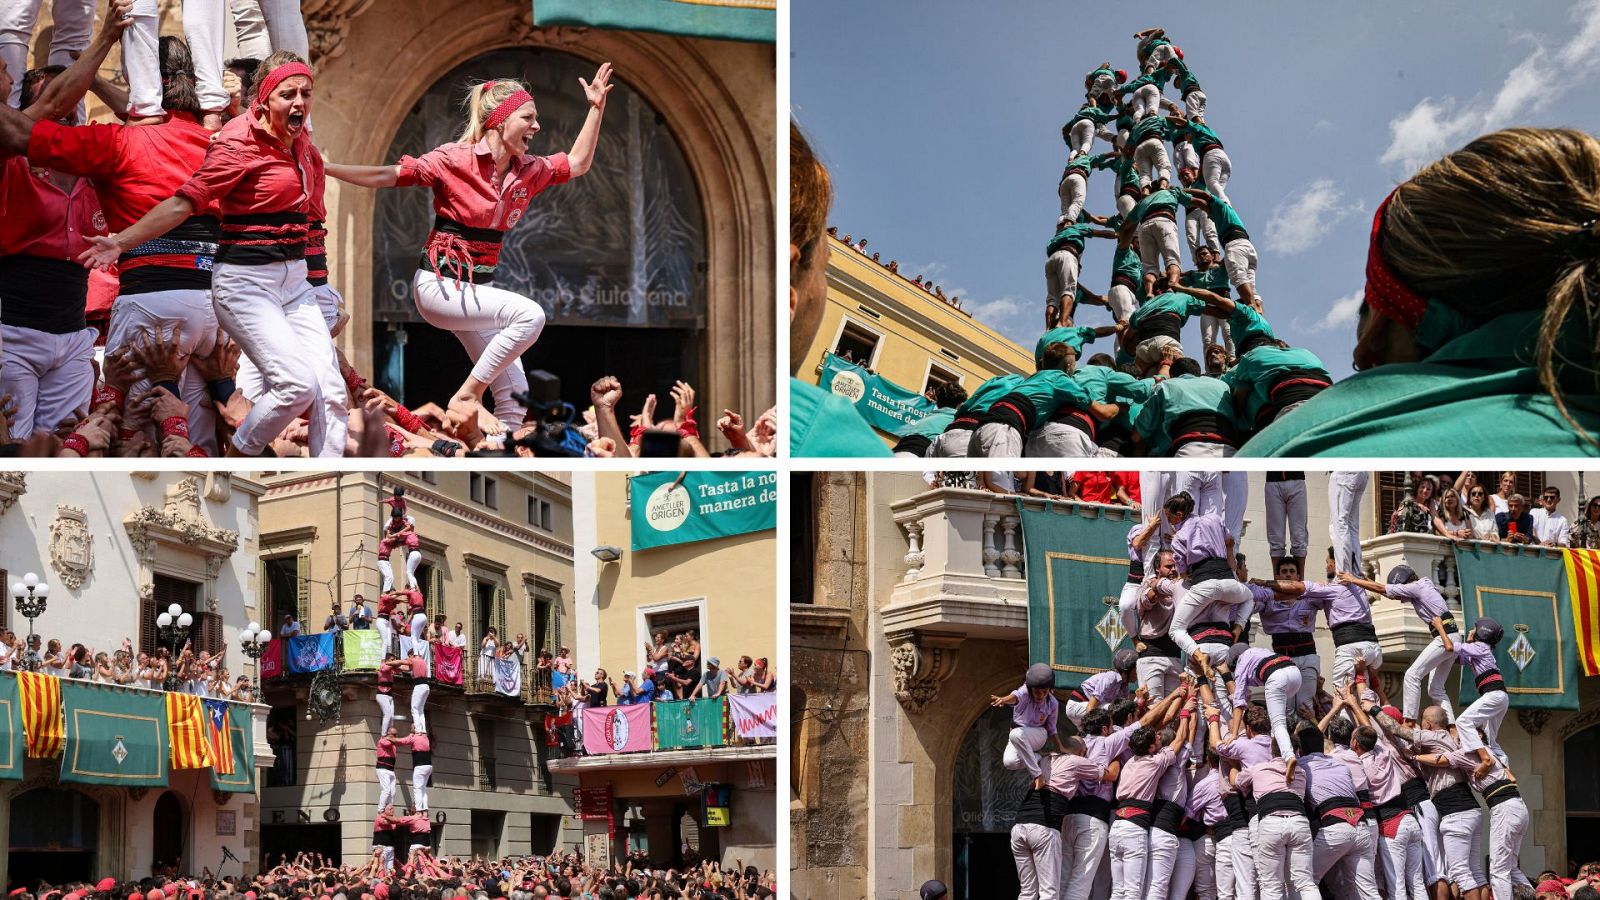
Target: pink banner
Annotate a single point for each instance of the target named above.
(446, 664)
(617, 729)
(272, 660)
(754, 715)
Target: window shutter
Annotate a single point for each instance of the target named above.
(552, 625)
(147, 627)
(208, 633)
(500, 613)
(435, 591)
(5, 604)
(302, 589)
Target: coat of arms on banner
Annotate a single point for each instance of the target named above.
(71, 546)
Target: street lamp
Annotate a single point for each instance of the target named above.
(174, 625)
(30, 595)
(253, 641)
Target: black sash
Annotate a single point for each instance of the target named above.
(1210, 569)
(913, 443)
(1354, 633)
(1415, 792)
(1090, 805)
(1327, 811)
(1232, 233)
(1163, 647)
(1211, 633)
(962, 423)
(1294, 643)
(1161, 325)
(1501, 791)
(1168, 816)
(1280, 801)
(1202, 426)
(1489, 681)
(1453, 799)
(1014, 410)
(1273, 665)
(1139, 812)
(43, 294)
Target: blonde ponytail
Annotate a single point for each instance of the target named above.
(481, 101)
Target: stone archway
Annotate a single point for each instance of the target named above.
(715, 95)
(106, 840)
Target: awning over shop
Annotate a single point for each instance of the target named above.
(730, 20)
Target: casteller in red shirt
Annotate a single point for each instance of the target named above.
(1093, 487)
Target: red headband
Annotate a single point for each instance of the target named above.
(1386, 293)
(278, 76)
(506, 107)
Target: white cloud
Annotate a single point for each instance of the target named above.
(994, 313)
(1435, 126)
(1302, 220)
(1341, 315)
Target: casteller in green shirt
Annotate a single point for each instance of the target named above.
(823, 425)
(1478, 395)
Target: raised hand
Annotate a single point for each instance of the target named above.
(683, 400)
(606, 392)
(595, 91)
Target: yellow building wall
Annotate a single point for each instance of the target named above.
(736, 576)
(914, 326)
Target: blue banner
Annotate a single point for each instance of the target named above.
(310, 653)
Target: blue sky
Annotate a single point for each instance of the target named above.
(942, 127)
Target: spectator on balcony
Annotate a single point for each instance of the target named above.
(8, 649)
(457, 636)
(1501, 498)
(1093, 487)
(1417, 516)
(103, 673)
(741, 676)
(714, 683)
(1480, 514)
(1550, 527)
(1516, 523)
(243, 690)
(656, 653)
(1586, 534)
(361, 614)
(290, 627)
(80, 663)
(633, 691)
(596, 694)
(55, 660)
(336, 620)
(561, 668)
(761, 678)
(486, 654)
(1451, 519)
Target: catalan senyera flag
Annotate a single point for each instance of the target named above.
(219, 737)
(186, 731)
(1583, 581)
(41, 714)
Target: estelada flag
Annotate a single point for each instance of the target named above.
(1583, 579)
(219, 737)
(42, 720)
(186, 731)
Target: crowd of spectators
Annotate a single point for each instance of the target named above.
(191, 671)
(893, 265)
(1467, 510)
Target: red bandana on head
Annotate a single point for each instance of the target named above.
(1386, 293)
(506, 107)
(274, 78)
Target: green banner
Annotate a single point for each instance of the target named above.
(240, 731)
(682, 507)
(114, 735)
(363, 650)
(732, 20)
(1526, 591)
(690, 723)
(13, 743)
(1077, 563)
(885, 405)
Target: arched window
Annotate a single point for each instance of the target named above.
(616, 259)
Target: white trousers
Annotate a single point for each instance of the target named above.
(1022, 749)
(495, 325)
(1125, 204)
(1347, 848)
(1130, 852)
(1281, 689)
(1345, 490)
(1344, 662)
(1204, 450)
(162, 312)
(1086, 838)
(74, 22)
(1508, 822)
(141, 59)
(1060, 440)
(1060, 277)
(385, 788)
(1218, 592)
(1122, 301)
(1128, 611)
(419, 700)
(1402, 857)
(1216, 169)
(272, 313)
(1242, 846)
(1073, 190)
(1155, 488)
(1215, 330)
(1161, 861)
(1458, 838)
(1283, 858)
(1194, 103)
(1151, 162)
(1197, 224)
(1239, 256)
(1310, 667)
(1158, 245)
(49, 376)
(1286, 502)
(1433, 664)
(1429, 842)
(1184, 157)
(1146, 101)
(1158, 675)
(1037, 850)
(381, 623)
(1486, 712)
(1202, 854)
(952, 444)
(386, 705)
(250, 30)
(996, 440)
(1224, 494)
(1080, 137)
(419, 785)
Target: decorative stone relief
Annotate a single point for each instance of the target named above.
(921, 663)
(328, 25)
(1533, 720)
(71, 546)
(12, 486)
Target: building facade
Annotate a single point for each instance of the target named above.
(722, 589)
(113, 547)
(496, 553)
(910, 610)
(894, 327)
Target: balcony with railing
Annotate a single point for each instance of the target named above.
(723, 730)
(1401, 634)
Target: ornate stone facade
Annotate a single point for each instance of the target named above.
(71, 546)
